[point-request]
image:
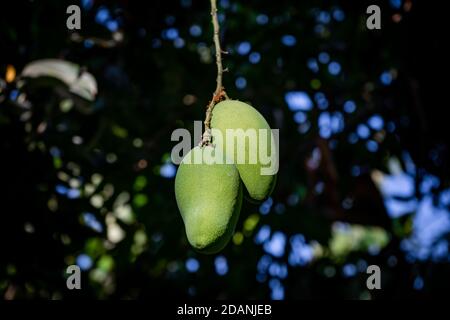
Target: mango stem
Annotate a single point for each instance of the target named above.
(219, 94)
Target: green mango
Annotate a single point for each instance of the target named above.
(209, 197)
(233, 114)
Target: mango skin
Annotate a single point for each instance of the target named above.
(234, 114)
(209, 197)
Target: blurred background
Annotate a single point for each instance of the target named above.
(85, 148)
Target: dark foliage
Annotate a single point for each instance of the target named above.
(92, 183)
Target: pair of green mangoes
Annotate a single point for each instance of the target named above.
(209, 196)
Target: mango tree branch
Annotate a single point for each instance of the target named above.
(219, 93)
